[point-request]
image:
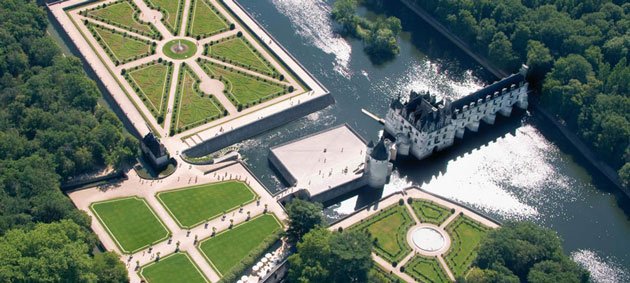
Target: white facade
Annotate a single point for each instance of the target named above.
(411, 139)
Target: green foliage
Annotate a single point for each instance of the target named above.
(303, 217)
(425, 269)
(466, 235)
(55, 252)
(529, 252)
(379, 35)
(324, 256)
(430, 212)
(579, 50)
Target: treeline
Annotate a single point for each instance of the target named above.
(51, 128)
(579, 50)
(379, 35)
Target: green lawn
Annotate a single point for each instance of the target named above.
(121, 48)
(192, 49)
(195, 107)
(430, 212)
(171, 16)
(425, 269)
(466, 234)
(239, 51)
(122, 13)
(206, 20)
(131, 222)
(153, 81)
(227, 249)
(244, 89)
(389, 227)
(177, 267)
(193, 205)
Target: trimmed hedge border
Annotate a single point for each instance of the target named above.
(178, 18)
(155, 33)
(420, 205)
(92, 27)
(400, 236)
(176, 130)
(455, 238)
(191, 13)
(410, 270)
(231, 96)
(144, 97)
(274, 73)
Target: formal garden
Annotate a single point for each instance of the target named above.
(119, 46)
(430, 212)
(152, 82)
(244, 90)
(232, 251)
(425, 269)
(389, 228)
(130, 222)
(204, 20)
(172, 13)
(466, 235)
(176, 267)
(239, 51)
(191, 206)
(192, 106)
(124, 14)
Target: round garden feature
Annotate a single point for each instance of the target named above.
(180, 49)
(427, 239)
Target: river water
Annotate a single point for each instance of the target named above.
(510, 171)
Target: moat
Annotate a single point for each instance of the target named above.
(511, 171)
(515, 170)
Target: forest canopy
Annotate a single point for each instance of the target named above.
(578, 50)
(51, 128)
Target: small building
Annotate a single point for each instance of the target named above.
(155, 152)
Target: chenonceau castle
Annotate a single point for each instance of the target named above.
(422, 125)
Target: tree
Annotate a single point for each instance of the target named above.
(557, 271)
(501, 50)
(518, 247)
(109, 269)
(324, 256)
(303, 216)
(56, 252)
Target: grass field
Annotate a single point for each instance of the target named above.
(228, 248)
(205, 21)
(244, 89)
(177, 267)
(131, 222)
(154, 84)
(122, 13)
(424, 269)
(389, 227)
(121, 48)
(190, 51)
(466, 234)
(194, 106)
(193, 205)
(240, 53)
(172, 17)
(430, 212)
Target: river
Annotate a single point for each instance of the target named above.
(510, 171)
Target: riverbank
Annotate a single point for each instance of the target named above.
(601, 167)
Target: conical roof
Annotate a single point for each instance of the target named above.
(380, 151)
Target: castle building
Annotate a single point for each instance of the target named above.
(377, 165)
(423, 125)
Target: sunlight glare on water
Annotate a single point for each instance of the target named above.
(602, 270)
(311, 20)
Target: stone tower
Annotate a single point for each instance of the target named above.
(377, 165)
